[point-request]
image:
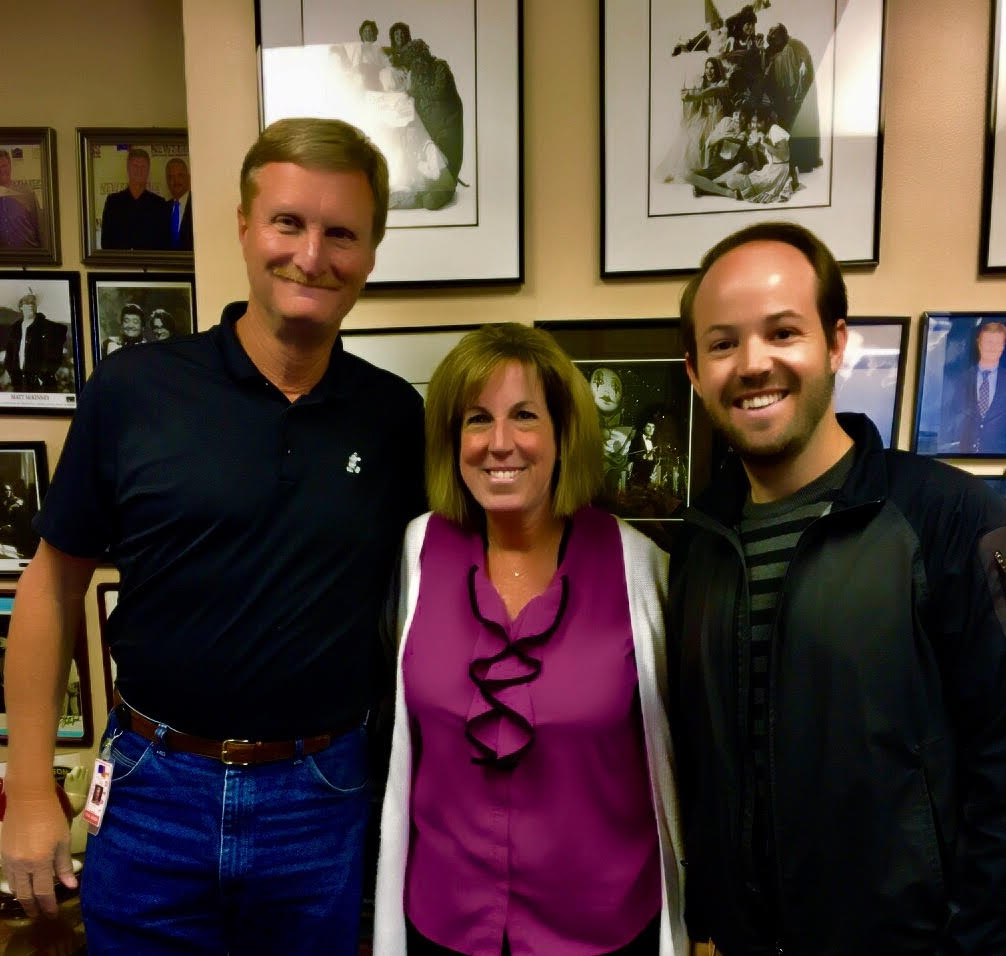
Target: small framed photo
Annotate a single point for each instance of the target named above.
(961, 406)
(130, 308)
(76, 727)
(41, 342)
(716, 116)
(29, 210)
(24, 480)
(108, 597)
(436, 85)
(872, 375)
(410, 353)
(992, 256)
(136, 198)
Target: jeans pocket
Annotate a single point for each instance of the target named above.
(343, 767)
(129, 750)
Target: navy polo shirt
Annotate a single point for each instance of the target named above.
(254, 537)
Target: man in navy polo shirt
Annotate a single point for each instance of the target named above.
(251, 483)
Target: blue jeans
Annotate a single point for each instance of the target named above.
(197, 857)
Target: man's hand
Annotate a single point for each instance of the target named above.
(35, 846)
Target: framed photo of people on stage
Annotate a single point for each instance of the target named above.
(719, 114)
(132, 308)
(24, 480)
(29, 207)
(135, 195)
(75, 727)
(436, 85)
(961, 404)
(41, 343)
(993, 235)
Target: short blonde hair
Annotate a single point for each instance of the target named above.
(326, 144)
(455, 386)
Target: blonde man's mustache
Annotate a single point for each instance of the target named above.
(296, 275)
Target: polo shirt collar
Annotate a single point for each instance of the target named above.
(241, 368)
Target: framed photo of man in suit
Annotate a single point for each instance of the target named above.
(29, 213)
(961, 408)
(41, 363)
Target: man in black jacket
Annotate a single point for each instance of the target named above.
(837, 655)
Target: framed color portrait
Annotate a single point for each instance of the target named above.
(41, 344)
(132, 308)
(75, 727)
(872, 375)
(24, 480)
(961, 405)
(717, 115)
(29, 210)
(436, 85)
(993, 235)
(136, 201)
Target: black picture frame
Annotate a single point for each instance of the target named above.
(29, 230)
(455, 156)
(76, 724)
(948, 421)
(108, 597)
(49, 380)
(871, 379)
(661, 104)
(155, 303)
(143, 239)
(24, 470)
(992, 241)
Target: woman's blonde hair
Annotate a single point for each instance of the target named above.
(455, 386)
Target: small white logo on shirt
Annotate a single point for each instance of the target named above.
(353, 465)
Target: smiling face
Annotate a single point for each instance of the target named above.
(176, 173)
(508, 450)
(763, 367)
(28, 308)
(991, 342)
(606, 387)
(132, 326)
(308, 245)
(138, 172)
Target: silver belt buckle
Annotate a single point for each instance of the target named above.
(225, 756)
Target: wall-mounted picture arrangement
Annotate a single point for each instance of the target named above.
(993, 235)
(872, 375)
(412, 354)
(41, 343)
(24, 480)
(29, 209)
(136, 201)
(75, 727)
(716, 115)
(108, 597)
(961, 405)
(436, 84)
(130, 308)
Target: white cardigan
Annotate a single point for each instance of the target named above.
(646, 574)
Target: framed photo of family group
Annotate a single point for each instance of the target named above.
(29, 210)
(992, 257)
(436, 84)
(136, 201)
(717, 115)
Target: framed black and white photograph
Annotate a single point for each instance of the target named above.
(961, 405)
(130, 308)
(75, 727)
(993, 234)
(658, 440)
(872, 375)
(24, 480)
(410, 353)
(41, 342)
(108, 597)
(136, 200)
(29, 207)
(718, 115)
(436, 85)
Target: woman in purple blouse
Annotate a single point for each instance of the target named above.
(530, 806)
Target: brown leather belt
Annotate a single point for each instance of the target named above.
(233, 752)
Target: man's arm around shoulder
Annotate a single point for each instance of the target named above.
(36, 835)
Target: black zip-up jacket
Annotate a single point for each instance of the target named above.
(887, 716)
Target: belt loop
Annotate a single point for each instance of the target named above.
(162, 747)
(298, 750)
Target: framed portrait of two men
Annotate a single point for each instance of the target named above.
(436, 85)
(29, 211)
(720, 113)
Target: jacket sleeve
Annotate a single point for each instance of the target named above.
(975, 674)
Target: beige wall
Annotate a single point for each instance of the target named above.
(112, 62)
